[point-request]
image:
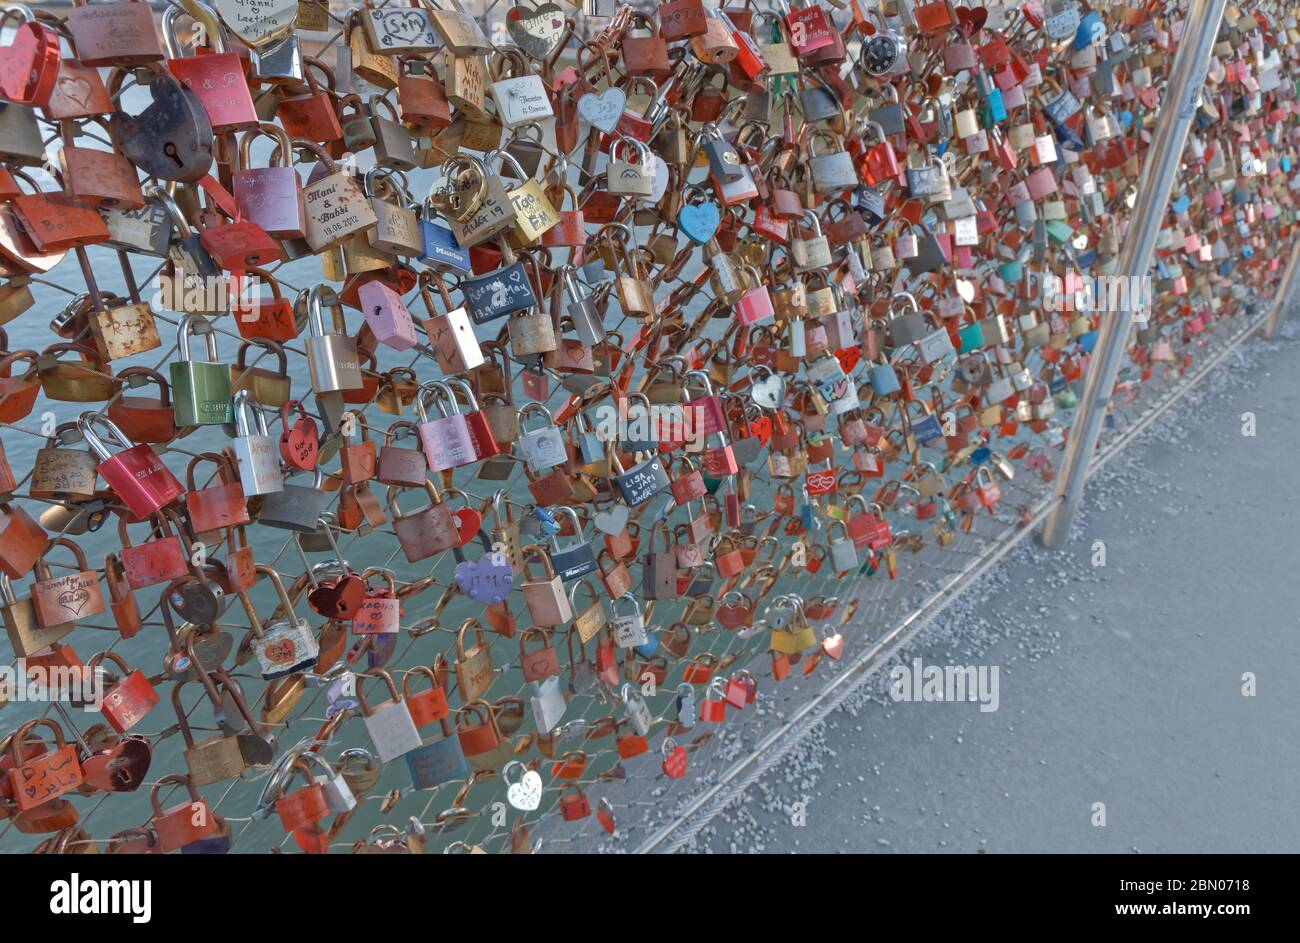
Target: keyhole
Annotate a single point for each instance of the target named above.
(170, 150)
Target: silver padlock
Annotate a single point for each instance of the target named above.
(257, 452)
(629, 630)
(546, 699)
(543, 448)
(332, 358)
(844, 556)
(813, 252)
(581, 310)
(638, 711)
(687, 710)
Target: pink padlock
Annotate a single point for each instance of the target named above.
(447, 441)
(1041, 183)
(387, 315)
(755, 306)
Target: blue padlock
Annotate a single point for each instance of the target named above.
(441, 247)
(1091, 30)
(884, 378)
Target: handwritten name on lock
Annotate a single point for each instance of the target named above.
(495, 297)
(530, 207)
(641, 484)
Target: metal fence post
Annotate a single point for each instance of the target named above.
(1283, 294)
(1200, 29)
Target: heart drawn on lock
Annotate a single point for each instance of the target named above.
(699, 221)
(526, 795)
(75, 89)
(279, 652)
(848, 358)
(612, 520)
(822, 481)
(769, 391)
(468, 522)
(74, 600)
(604, 110)
(537, 31)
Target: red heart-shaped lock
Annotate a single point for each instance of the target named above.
(848, 358)
(729, 617)
(121, 768)
(300, 441)
(339, 598)
(468, 523)
(971, 19)
(674, 764)
(761, 427)
(29, 65)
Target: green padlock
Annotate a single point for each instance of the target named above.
(971, 337)
(200, 389)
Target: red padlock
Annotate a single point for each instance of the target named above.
(380, 612)
(674, 763)
(304, 807)
(127, 702)
(136, 474)
(183, 823)
(39, 778)
(574, 806)
(605, 815)
(714, 707)
(741, 689)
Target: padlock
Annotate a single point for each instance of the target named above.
(136, 474)
(201, 389)
(270, 196)
(426, 532)
(545, 598)
(389, 723)
(255, 450)
(332, 357)
(184, 823)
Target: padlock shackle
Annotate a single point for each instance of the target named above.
(86, 423)
(210, 28)
(189, 326)
(245, 403)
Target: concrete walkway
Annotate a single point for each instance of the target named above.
(1120, 684)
